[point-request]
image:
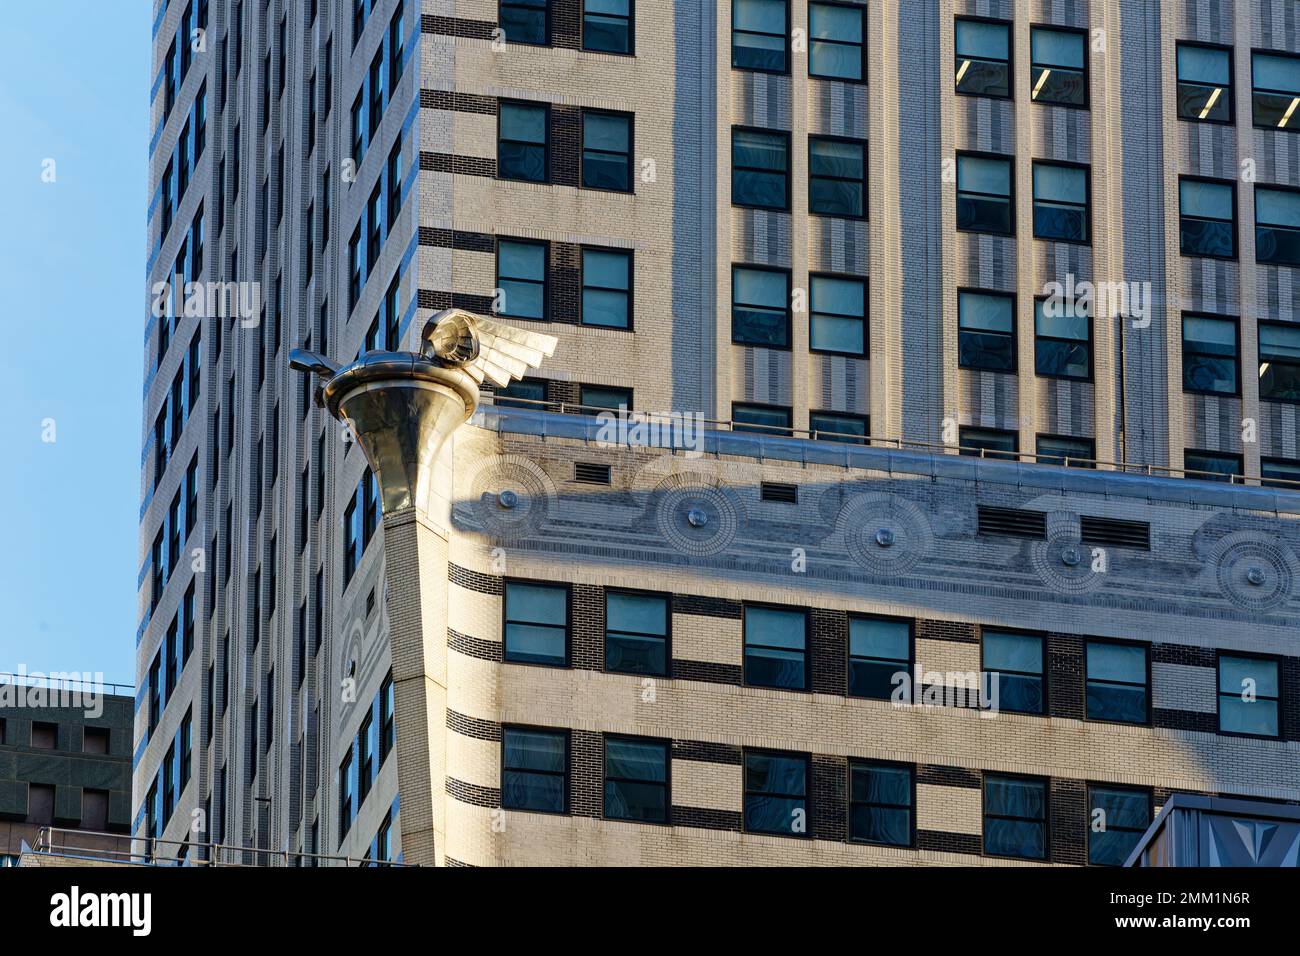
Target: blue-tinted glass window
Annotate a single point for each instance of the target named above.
(1277, 226)
(880, 804)
(1061, 202)
(607, 397)
(837, 177)
(983, 53)
(607, 151)
(1211, 465)
(1276, 90)
(1279, 362)
(607, 26)
(1204, 83)
(521, 279)
(1207, 212)
(776, 648)
(835, 47)
(760, 169)
(636, 779)
(607, 288)
(522, 143)
(1070, 452)
(534, 770)
(878, 650)
(537, 623)
(984, 195)
(837, 317)
(636, 633)
(1117, 818)
(833, 426)
(758, 35)
(760, 306)
(776, 793)
(1059, 72)
(986, 325)
(1015, 665)
(763, 419)
(988, 443)
(1062, 339)
(525, 21)
(1117, 682)
(1249, 695)
(1015, 817)
(1209, 355)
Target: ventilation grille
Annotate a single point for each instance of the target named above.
(1012, 522)
(1113, 531)
(590, 473)
(773, 491)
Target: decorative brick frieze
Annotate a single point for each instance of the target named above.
(706, 752)
(473, 794)
(458, 102)
(706, 606)
(473, 727)
(1185, 720)
(947, 631)
(457, 27)
(458, 239)
(968, 843)
(474, 647)
(708, 672)
(704, 818)
(941, 776)
(482, 583)
(458, 165)
(1189, 655)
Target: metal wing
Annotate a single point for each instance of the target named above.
(502, 354)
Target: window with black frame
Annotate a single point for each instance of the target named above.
(607, 151)
(776, 647)
(836, 426)
(636, 633)
(534, 770)
(988, 442)
(983, 50)
(776, 793)
(607, 287)
(1209, 355)
(636, 779)
(759, 35)
(1207, 213)
(1211, 465)
(837, 177)
(760, 306)
(835, 41)
(879, 650)
(1014, 663)
(525, 393)
(1117, 818)
(1061, 202)
(881, 803)
(1066, 451)
(1116, 682)
(760, 168)
(605, 397)
(1059, 67)
(607, 26)
(1280, 473)
(1062, 339)
(1277, 226)
(521, 279)
(986, 326)
(1015, 817)
(522, 141)
(984, 195)
(1279, 361)
(1249, 695)
(761, 419)
(1204, 83)
(525, 21)
(837, 316)
(1276, 90)
(536, 623)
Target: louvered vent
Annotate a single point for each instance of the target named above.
(1113, 531)
(774, 491)
(1012, 522)
(590, 473)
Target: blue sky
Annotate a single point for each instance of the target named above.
(74, 87)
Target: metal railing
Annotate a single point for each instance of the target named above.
(902, 444)
(122, 849)
(57, 680)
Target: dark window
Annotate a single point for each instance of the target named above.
(1014, 663)
(604, 397)
(526, 393)
(984, 194)
(607, 26)
(776, 793)
(534, 770)
(835, 41)
(396, 48)
(1211, 465)
(763, 419)
(636, 779)
(1280, 473)
(1015, 817)
(988, 443)
(537, 623)
(1279, 362)
(376, 106)
(1277, 226)
(394, 184)
(607, 288)
(776, 647)
(94, 810)
(45, 736)
(837, 316)
(347, 780)
(879, 649)
(760, 168)
(1061, 202)
(1276, 80)
(1117, 682)
(834, 426)
(1059, 71)
(983, 57)
(387, 728)
(837, 177)
(40, 804)
(881, 799)
(1204, 83)
(607, 151)
(636, 633)
(525, 21)
(94, 740)
(1207, 213)
(1249, 695)
(351, 541)
(358, 128)
(522, 144)
(1067, 451)
(1117, 818)
(365, 757)
(1062, 339)
(760, 306)
(1209, 355)
(986, 331)
(521, 279)
(758, 35)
